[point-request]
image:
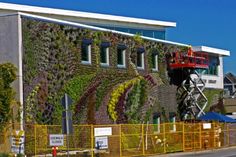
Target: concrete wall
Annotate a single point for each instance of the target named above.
(10, 47)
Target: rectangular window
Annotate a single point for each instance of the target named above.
(104, 56)
(213, 68)
(86, 53)
(157, 123)
(140, 59)
(172, 123)
(154, 62)
(121, 57)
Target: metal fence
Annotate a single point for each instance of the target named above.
(124, 139)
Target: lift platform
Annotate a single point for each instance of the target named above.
(189, 60)
(190, 97)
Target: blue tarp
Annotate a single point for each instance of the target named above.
(213, 116)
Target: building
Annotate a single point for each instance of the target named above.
(213, 76)
(229, 84)
(229, 94)
(113, 75)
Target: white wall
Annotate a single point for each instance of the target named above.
(212, 81)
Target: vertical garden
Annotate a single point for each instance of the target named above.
(101, 94)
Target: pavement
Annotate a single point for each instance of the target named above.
(223, 152)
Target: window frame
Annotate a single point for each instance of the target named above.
(173, 123)
(155, 68)
(142, 67)
(157, 122)
(123, 52)
(89, 47)
(107, 51)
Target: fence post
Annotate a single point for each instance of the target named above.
(92, 142)
(228, 134)
(200, 135)
(164, 137)
(143, 138)
(120, 141)
(183, 138)
(35, 126)
(214, 140)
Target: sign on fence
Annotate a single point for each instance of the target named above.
(56, 139)
(106, 131)
(17, 142)
(101, 142)
(206, 125)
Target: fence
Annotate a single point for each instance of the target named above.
(125, 139)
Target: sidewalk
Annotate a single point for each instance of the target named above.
(197, 153)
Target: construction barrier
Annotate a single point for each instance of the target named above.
(119, 140)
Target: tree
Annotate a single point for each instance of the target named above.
(7, 76)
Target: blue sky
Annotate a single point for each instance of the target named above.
(199, 22)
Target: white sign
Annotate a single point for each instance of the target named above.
(56, 139)
(17, 142)
(206, 125)
(102, 131)
(101, 142)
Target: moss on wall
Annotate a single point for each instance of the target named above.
(52, 61)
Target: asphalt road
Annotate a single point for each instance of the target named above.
(225, 152)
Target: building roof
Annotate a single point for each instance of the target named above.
(231, 77)
(95, 28)
(211, 50)
(92, 17)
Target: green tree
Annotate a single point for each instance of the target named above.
(7, 76)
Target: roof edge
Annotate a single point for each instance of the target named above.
(211, 50)
(62, 12)
(97, 28)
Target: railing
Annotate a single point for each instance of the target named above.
(125, 139)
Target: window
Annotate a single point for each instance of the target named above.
(157, 122)
(104, 54)
(86, 52)
(213, 68)
(140, 58)
(121, 56)
(154, 62)
(172, 122)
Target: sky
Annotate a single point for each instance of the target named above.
(199, 22)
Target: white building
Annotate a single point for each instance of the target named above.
(213, 76)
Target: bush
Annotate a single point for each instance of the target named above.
(4, 155)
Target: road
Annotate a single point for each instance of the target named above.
(225, 152)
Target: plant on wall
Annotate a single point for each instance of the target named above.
(135, 100)
(31, 107)
(115, 95)
(7, 76)
(52, 58)
(81, 104)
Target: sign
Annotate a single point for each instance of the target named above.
(17, 142)
(66, 101)
(67, 127)
(101, 142)
(56, 139)
(206, 125)
(103, 131)
(67, 124)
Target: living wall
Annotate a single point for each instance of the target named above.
(52, 67)
(7, 76)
